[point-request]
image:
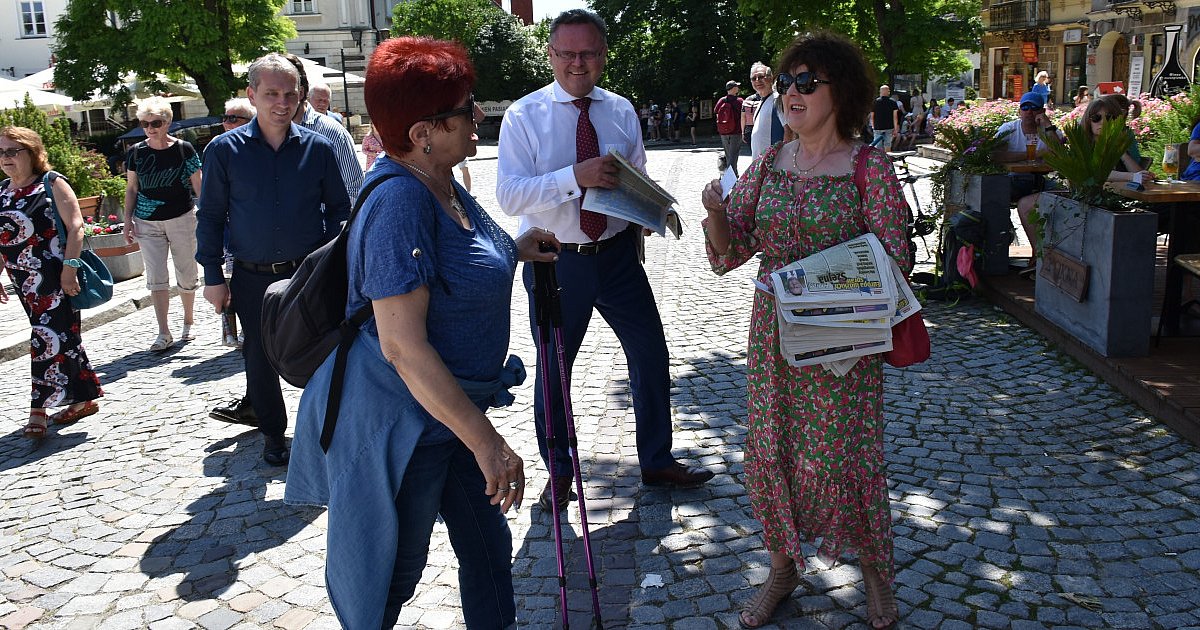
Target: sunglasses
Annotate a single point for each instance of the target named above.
(468, 109)
(1028, 107)
(1099, 117)
(760, 77)
(232, 118)
(12, 152)
(805, 82)
(153, 124)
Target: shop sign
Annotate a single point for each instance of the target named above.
(1029, 52)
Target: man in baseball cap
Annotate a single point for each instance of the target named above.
(729, 123)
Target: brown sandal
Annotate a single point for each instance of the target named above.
(778, 587)
(73, 414)
(881, 600)
(35, 430)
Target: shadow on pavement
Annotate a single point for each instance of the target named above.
(16, 450)
(210, 369)
(230, 523)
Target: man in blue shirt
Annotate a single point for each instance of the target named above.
(266, 181)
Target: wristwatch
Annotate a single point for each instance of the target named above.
(73, 262)
(1050, 128)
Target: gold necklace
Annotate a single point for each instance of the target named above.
(806, 171)
(455, 204)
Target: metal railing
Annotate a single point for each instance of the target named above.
(1018, 14)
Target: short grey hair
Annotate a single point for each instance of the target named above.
(758, 65)
(320, 87)
(241, 106)
(272, 63)
(154, 106)
(580, 16)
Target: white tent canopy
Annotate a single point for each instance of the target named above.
(315, 72)
(12, 96)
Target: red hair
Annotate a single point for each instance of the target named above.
(410, 78)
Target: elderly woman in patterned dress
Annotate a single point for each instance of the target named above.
(44, 273)
(814, 451)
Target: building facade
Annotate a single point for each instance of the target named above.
(26, 32)
(1092, 43)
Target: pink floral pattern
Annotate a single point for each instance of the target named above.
(814, 451)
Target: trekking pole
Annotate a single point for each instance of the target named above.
(549, 315)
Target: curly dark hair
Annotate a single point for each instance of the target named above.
(841, 61)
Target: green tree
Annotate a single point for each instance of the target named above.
(703, 44)
(897, 36)
(507, 55)
(101, 40)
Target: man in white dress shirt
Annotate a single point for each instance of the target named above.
(553, 147)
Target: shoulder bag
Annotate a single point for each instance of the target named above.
(95, 280)
(910, 338)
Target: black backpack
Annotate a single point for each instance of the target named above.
(304, 318)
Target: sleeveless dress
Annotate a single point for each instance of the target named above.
(62, 374)
(814, 450)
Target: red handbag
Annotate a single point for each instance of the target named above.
(910, 342)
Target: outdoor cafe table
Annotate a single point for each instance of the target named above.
(1182, 200)
(1036, 167)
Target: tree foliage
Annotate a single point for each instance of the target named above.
(897, 36)
(506, 54)
(101, 40)
(677, 49)
(87, 171)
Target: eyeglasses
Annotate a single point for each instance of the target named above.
(153, 124)
(569, 56)
(1099, 117)
(805, 82)
(468, 109)
(232, 118)
(760, 77)
(1029, 107)
(12, 152)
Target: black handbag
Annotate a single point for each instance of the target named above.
(95, 280)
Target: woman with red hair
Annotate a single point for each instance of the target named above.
(414, 441)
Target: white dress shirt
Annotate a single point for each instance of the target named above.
(535, 177)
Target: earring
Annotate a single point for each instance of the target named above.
(428, 149)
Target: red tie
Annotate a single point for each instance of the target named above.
(587, 146)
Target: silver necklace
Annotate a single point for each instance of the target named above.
(455, 204)
(806, 171)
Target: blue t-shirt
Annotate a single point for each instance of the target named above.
(1193, 169)
(403, 240)
(1043, 90)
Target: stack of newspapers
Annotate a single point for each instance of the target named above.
(840, 304)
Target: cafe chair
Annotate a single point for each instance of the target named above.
(1190, 264)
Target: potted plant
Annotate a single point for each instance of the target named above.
(973, 181)
(106, 236)
(1096, 269)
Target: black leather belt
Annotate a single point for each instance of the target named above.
(590, 249)
(271, 268)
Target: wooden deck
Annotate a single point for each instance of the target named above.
(1166, 383)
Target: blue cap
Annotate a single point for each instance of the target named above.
(1036, 99)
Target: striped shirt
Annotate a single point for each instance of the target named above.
(343, 147)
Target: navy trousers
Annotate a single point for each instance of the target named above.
(262, 383)
(614, 283)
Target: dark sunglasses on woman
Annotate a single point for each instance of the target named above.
(12, 152)
(232, 118)
(153, 124)
(468, 109)
(805, 82)
(1098, 117)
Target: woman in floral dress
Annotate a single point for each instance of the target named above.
(36, 263)
(814, 452)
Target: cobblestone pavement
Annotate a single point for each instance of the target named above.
(1026, 493)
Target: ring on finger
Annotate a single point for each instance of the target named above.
(512, 485)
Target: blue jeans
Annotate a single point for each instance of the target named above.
(444, 479)
(883, 139)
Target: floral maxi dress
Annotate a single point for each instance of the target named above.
(29, 245)
(814, 450)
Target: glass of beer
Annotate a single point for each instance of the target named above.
(1170, 162)
(1030, 148)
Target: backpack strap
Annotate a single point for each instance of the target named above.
(860, 174)
(348, 329)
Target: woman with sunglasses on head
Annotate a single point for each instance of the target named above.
(814, 450)
(414, 441)
(163, 178)
(44, 271)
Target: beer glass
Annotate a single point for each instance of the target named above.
(1170, 162)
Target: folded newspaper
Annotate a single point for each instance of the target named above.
(637, 199)
(840, 304)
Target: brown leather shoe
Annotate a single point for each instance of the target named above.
(562, 489)
(677, 475)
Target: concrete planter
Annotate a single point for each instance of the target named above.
(1113, 316)
(988, 195)
(124, 261)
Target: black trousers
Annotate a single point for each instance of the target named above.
(262, 383)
